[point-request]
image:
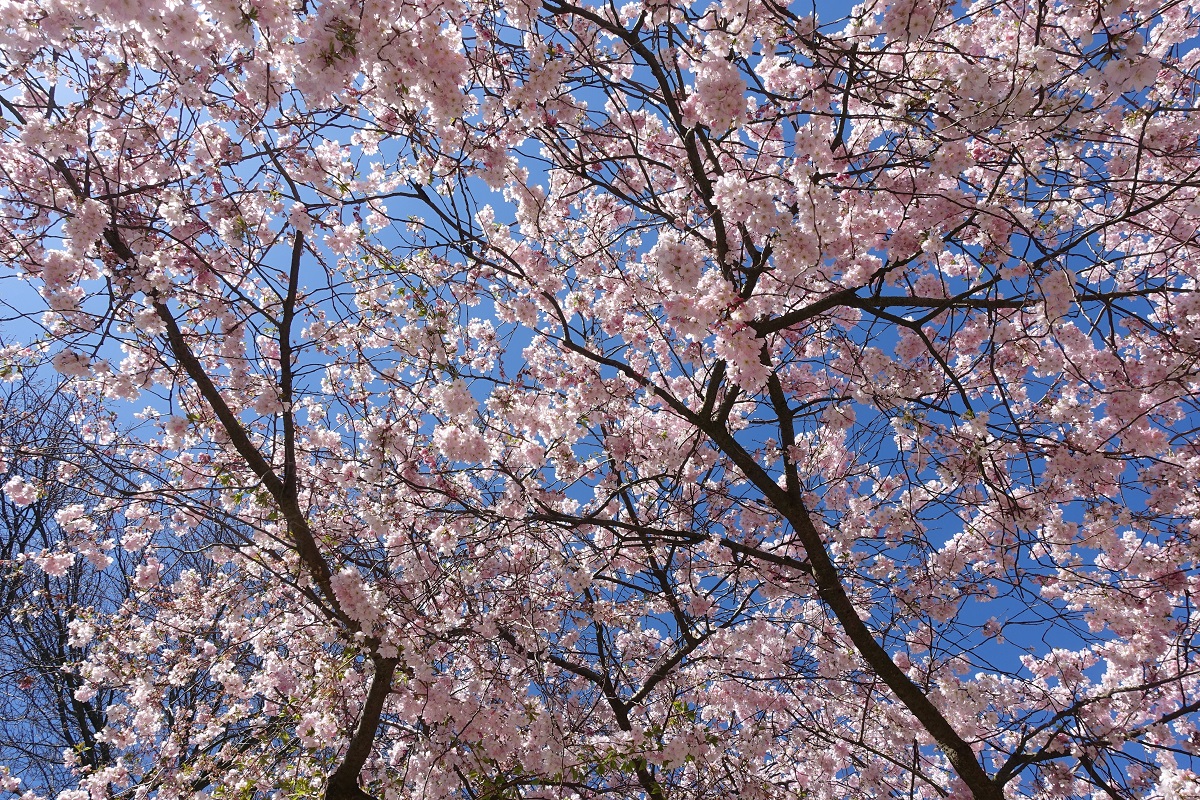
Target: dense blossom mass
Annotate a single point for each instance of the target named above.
(497, 399)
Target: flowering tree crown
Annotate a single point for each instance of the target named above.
(665, 400)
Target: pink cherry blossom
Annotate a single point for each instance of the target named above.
(20, 492)
(55, 564)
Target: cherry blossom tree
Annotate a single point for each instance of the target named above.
(53, 601)
(571, 400)
(46, 596)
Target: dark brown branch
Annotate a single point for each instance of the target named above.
(833, 594)
(343, 783)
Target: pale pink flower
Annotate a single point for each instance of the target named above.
(20, 492)
(455, 399)
(719, 100)
(55, 564)
(71, 364)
